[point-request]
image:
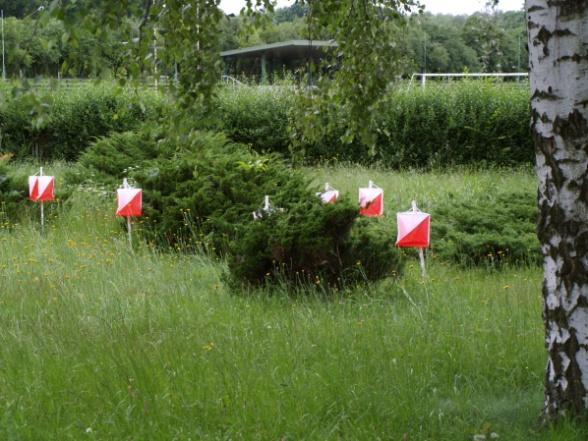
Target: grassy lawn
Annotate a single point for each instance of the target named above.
(100, 343)
(429, 189)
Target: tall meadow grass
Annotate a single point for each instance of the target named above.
(101, 342)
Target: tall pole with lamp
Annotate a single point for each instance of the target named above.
(3, 63)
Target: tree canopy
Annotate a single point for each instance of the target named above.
(486, 42)
(19, 8)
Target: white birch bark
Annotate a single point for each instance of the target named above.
(558, 53)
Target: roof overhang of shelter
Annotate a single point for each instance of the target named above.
(281, 49)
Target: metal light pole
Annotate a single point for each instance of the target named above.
(155, 56)
(3, 63)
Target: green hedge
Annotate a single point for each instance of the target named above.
(451, 124)
(256, 116)
(457, 123)
(61, 124)
(462, 123)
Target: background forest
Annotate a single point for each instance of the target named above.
(483, 42)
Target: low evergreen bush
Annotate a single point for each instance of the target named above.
(112, 158)
(200, 190)
(490, 231)
(314, 244)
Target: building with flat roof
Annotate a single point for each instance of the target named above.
(263, 62)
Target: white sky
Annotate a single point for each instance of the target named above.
(435, 6)
(468, 6)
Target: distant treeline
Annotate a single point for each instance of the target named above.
(43, 48)
(36, 44)
(483, 42)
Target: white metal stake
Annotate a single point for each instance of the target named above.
(422, 259)
(129, 221)
(266, 203)
(421, 250)
(130, 231)
(42, 208)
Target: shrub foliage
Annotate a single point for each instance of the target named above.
(462, 123)
(14, 204)
(62, 124)
(200, 192)
(491, 231)
(258, 117)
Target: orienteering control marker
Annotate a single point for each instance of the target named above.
(42, 189)
(330, 195)
(130, 204)
(265, 209)
(371, 201)
(414, 231)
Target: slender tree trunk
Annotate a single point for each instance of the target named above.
(558, 51)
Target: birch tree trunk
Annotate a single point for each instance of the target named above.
(558, 53)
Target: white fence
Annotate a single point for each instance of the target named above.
(423, 76)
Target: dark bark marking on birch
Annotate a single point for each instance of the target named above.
(543, 37)
(584, 192)
(547, 148)
(569, 8)
(535, 116)
(545, 95)
(577, 58)
(574, 127)
(571, 397)
(535, 8)
(582, 247)
(563, 33)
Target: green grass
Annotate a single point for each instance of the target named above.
(100, 343)
(428, 189)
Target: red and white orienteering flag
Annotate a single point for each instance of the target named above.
(371, 201)
(130, 201)
(41, 188)
(414, 229)
(330, 195)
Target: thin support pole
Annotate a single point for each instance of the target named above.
(42, 208)
(130, 231)
(156, 74)
(422, 259)
(3, 51)
(266, 203)
(42, 218)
